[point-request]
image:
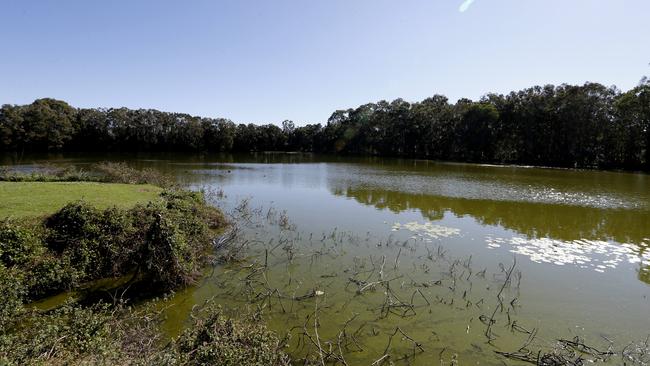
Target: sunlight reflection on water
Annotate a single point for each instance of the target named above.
(598, 255)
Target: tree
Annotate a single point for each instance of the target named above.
(633, 111)
(586, 125)
(12, 132)
(474, 130)
(48, 124)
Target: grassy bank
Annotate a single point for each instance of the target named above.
(29, 199)
(154, 240)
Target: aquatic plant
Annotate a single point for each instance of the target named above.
(347, 299)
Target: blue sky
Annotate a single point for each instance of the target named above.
(269, 60)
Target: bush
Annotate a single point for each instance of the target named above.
(106, 172)
(51, 274)
(168, 256)
(215, 339)
(47, 173)
(68, 335)
(163, 245)
(104, 334)
(12, 292)
(122, 173)
(73, 223)
(18, 244)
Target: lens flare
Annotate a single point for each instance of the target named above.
(464, 6)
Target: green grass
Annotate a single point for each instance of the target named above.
(34, 199)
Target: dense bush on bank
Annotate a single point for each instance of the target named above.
(164, 244)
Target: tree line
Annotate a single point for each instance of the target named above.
(588, 125)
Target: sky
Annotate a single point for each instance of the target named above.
(266, 61)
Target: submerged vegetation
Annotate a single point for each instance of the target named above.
(565, 126)
(349, 299)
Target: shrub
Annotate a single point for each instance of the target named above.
(18, 244)
(12, 292)
(168, 257)
(190, 204)
(74, 222)
(106, 172)
(122, 173)
(164, 245)
(104, 334)
(68, 335)
(51, 274)
(47, 173)
(215, 339)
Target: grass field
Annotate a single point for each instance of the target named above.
(33, 199)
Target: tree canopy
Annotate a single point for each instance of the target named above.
(590, 125)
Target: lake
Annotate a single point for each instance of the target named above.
(360, 260)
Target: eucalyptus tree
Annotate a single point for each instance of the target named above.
(588, 125)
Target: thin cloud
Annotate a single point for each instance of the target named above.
(464, 6)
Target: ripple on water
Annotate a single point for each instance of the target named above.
(597, 200)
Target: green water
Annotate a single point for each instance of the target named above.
(437, 240)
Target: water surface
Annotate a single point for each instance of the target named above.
(437, 240)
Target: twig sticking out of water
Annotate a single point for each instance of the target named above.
(488, 331)
(397, 258)
(566, 353)
(386, 354)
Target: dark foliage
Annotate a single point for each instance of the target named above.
(565, 126)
